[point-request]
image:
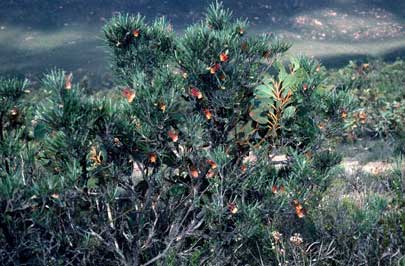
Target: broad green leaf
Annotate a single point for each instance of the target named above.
(259, 115)
(289, 112)
(263, 91)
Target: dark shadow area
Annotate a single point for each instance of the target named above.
(52, 14)
(394, 54)
(338, 61)
(90, 63)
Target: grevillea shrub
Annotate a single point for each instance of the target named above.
(205, 151)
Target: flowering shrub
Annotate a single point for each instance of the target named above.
(177, 165)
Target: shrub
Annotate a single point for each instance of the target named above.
(378, 90)
(175, 165)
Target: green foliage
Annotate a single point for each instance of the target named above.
(365, 225)
(326, 159)
(379, 90)
(297, 108)
(12, 126)
(136, 46)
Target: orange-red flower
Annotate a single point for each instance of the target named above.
(162, 106)
(214, 68)
(224, 57)
(136, 33)
(300, 211)
(277, 190)
(362, 117)
(129, 94)
(152, 158)
(196, 93)
(343, 114)
(212, 164)
(243, 168)
(210, 173)
(173, 135)
(194, 172)
(232, 207)
(208, 114)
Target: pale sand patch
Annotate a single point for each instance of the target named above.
(37, 41)
(374, 168)
(377, 168)
(320, 49)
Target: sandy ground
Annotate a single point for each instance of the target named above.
(36, 36)
(371, 157)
